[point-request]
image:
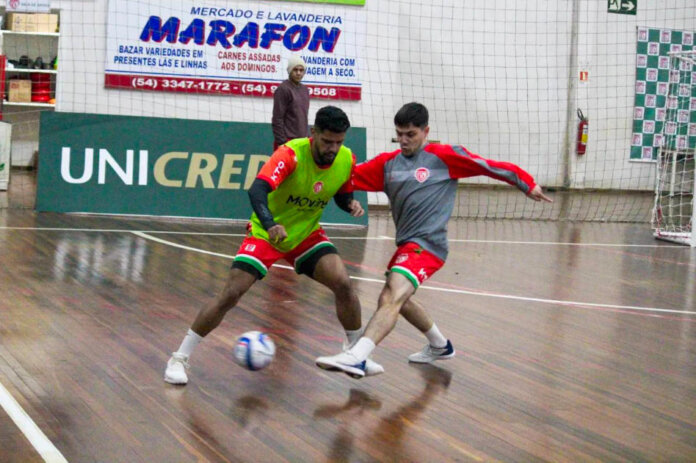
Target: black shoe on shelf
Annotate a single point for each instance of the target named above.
(24, 62)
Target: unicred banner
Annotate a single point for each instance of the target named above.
(239, 49)
(153, 166)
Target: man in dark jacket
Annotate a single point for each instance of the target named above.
(291, 105)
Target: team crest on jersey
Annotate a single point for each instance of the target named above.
(401, 258)
(422, 174)
(317, 187)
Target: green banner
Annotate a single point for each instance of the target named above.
(159, 167)
(340, 2)
(662, 92)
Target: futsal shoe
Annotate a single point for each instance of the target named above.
(176, 369)
(345, 362)
(372, 368)
(429, 354)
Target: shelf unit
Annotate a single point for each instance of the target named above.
(40, 71)
(38, 34)
(25, 116)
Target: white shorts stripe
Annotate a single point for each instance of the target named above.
(308, 251)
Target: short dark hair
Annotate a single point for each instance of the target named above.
(331, 118)
(412, 113)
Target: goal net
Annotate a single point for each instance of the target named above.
(504, 79)
(673, 213)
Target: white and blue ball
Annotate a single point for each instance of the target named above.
(254, 350)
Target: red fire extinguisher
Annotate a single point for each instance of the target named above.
(582, 133)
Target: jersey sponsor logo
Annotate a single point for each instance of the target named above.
(276, 172)
(317, 187)
(305, 203)
(401, 258)
(422, 174)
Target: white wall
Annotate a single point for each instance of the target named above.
(494, 74)
(607, 48)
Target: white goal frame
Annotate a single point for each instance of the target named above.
(675, 173)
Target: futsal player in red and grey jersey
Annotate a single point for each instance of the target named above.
(420, 180)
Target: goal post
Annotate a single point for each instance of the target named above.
(674, 215)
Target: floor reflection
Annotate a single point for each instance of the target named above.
(391, 429)
(357, 403)
(88, 257)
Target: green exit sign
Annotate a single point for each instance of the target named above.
(623, 6)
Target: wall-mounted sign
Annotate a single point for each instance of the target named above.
(623, 6)
(239, 49)
(160, 167)
(661, 92)
(28, 6)
(341, 2)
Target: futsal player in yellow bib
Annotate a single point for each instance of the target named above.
(288, 198)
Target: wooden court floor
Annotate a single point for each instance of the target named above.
(575, 343)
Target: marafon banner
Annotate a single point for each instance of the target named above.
(239, 49)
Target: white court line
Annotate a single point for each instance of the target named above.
(449, 290)
(378, 238)
(36, 437)
(181, 246)
(562, 243)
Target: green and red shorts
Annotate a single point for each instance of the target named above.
(415, 263)
(256, 255)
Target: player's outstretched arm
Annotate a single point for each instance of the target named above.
(537, 195)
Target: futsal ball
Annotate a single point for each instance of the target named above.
(254, 350)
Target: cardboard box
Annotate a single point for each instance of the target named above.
(32, 22)
(20, 90)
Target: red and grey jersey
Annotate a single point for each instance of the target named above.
(422, 188)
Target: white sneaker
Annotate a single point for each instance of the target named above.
(430, 354)
(372, 368)
(176, 369)
(345, 362)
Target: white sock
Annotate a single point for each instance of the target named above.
(354, 335)
(189, 343)
(363, 348)
(435, 338)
